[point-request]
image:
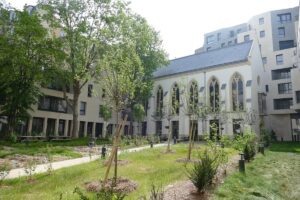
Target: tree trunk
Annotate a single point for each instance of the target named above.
(169, 138)
(116, 154)
(76, 88)
(190, 139)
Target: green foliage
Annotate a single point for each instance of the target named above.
(247, 144)
(30, 167)
(25, 68)
(138, 112)
(266, 136)
(156, 193)
(203, 172)
(105, 112)
(103, 194)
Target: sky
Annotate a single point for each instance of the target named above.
(182, 24)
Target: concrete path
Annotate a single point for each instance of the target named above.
(15, 173)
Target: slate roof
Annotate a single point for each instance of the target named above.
(213, 58)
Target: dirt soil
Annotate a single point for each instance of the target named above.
(123, 185)
(185, 190)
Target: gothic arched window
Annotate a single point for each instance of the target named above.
(193, 97)
(175, 99)
(214, 94)
(237, 92)
(159, 101)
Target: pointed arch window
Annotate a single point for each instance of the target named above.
(237, 92)
(193, 97)
(214, 94)
(159, 101)
(175, 99)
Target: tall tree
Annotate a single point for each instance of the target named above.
(28, 56)
(83, 26)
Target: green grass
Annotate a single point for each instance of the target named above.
(146, 167)
(273, 176)
(61, 148)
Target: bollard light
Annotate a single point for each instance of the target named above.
(242, 163)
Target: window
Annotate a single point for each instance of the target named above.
(82, 108)
(175, 99)
(267, 88)
(37, 125)
(158, 128)
(262, 103)
(237, 93)
(219, 36)
(286, 44)
(53, 104)
(261, 21)
(61, 127)
(214, 94)
(159, 101)
(210, 39)
(193, 97)
(231, 34)
(262, 34)
(285, 88)
(279, 59)
(90, 90)
(281, 74)
(284, 18)
(281, 32)
(264, 60)
(298, 96)
(103, 93)
(280, 104)
(246, 38)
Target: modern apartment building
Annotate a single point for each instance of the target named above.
(276, 33)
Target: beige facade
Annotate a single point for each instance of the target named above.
(276, 33)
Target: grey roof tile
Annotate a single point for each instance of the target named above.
(213, 58)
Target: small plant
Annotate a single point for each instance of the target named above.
(203, 172)
(4, 170)
(30, 168)
(49, 158)
(103, 194)
(156, 193)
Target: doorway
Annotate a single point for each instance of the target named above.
(175, 129)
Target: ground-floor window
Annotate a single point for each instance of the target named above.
(158, 128)
(61, 127)
(37, 125)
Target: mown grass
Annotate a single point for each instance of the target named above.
(61, 148)
(273, 176)
(146, 168)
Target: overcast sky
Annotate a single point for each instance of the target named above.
(182, 24)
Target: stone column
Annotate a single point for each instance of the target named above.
(66, 127)
(45, 126)
(93, 130)
(29, 128)
(56, 127)
(85, 129)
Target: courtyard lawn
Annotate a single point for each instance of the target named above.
(146, 167)
(273, 176)
(62, 148)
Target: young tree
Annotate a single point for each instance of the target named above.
(83, 27)
(28, 57)
(106, 114)
(138, 115)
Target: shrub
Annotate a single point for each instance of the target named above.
(30, 168)
(203, 172)
(249, 151)
(103, 194)
(156, 193)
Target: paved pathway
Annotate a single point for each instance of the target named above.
(15, 173)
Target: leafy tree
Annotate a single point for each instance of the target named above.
(83, 26)
(27, 59)
(106, 114)
(138, 114)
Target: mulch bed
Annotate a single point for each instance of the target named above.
(120, 162)
(185, 160)
(185, 190)
(123, 185)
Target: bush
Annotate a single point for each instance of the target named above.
(103, 194)
(249, 151)
(203, 172)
